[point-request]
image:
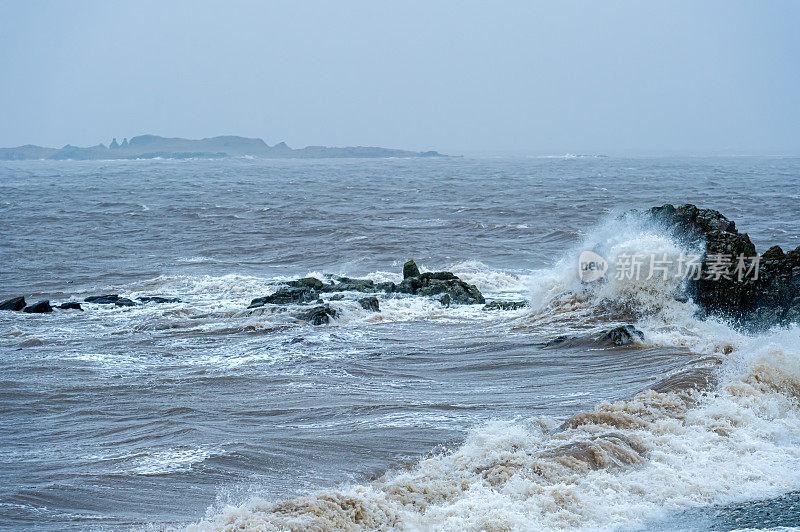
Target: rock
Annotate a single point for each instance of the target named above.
(70, 305)
(437, 276)
(319, 315)
(445, 300)
(15, 303)
(558, 340)
(336, 297)
(110, 299)
(622, 335)
(410, 269)
(307, 282)
(290, 295)
(346, 284)
(387, 287)
(369, 303)
(505, 305)
(460, 292)
(436, 283)
(754, 302)
(39, 308)
(158, 299)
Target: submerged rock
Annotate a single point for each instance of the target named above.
(297, 295)
(70, 305)
(110, 299)
(769, 298)
(158, 299)
(319, 315)
(39, 308)
(15, 303)
(622, 335)
(346, 284)
(505, 305)
(370, 303)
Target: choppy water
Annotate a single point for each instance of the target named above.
(202, 413)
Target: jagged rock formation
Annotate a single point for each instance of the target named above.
(762, 292)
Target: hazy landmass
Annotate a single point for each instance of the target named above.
(152, 146)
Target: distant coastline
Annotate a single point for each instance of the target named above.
(152, 147)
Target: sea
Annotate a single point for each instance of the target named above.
(201, 414)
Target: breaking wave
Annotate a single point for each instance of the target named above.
(724, 428)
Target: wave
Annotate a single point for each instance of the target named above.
(724, 428)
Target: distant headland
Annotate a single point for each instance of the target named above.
(152, 147)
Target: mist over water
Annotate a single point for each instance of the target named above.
(202, 413)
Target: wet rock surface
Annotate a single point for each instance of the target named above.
(770, 297)
(505, 305)
(370, 303)
(319, 315)
(622, 335)
(111, 299)
(15, 304)
(41, 307)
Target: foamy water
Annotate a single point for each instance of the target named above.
(208, 415)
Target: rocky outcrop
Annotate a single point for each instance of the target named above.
(410, 269)
(441, 283)
(70, 305)
(291, 295)
(41, 307)
(734, 282)
(15, 303)
(110, 299)
(444, 286)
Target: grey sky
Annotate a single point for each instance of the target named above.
(460, 77)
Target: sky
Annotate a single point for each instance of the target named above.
(462, 77)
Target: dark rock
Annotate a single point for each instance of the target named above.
(307, 282)
(460, 292)
(410, 269)
(110, 299)
(15, 303)
(409, 286)
(39, 308)
(319, 315)
(387, 287)
(622, 335)
(761, 301)
(346, 284)
(436, 283)
(558, 340)
(158, 299)
(445, 300)
(505, 305)
(369, 303)
(436, 276)
(284, 296)
(336, 297)
(70, 305)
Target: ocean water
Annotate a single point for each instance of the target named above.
(205, 415)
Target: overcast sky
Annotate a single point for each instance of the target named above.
(460, 77)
